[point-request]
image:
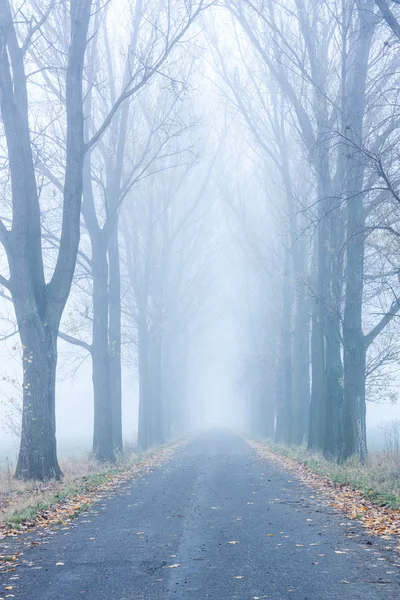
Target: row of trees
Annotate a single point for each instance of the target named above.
(314, 84)
(108, 219)
(96, 126)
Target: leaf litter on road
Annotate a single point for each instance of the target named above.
(58, 517)
(377, 520)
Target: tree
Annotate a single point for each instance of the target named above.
(38, 302)
(39, 305)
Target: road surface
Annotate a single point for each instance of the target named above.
(213, 522)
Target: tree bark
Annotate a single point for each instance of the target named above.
(115, 336)
(301, 350)
(354, 439)
(38, 448)
(145, 408)
(39, 306)
(102, 431)
(318, 382)
(284, 417)
(157, 409)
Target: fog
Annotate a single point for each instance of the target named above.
(198, 207)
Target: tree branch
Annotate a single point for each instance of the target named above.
(389, 16)
(4, 282)
(4, 233)
(36, 28)
(392, 312)
(75, 341)
(7, 337)
(148, 74)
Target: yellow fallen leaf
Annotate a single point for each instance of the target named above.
(270, 535)
(9, 587)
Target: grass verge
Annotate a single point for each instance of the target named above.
(368, 493)
(378, 479)
(24, 505)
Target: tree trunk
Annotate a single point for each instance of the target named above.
(284, 426)
(114, 293)
(301, 354)
(353, 432)
(318, 382)
(144, 416)
(354, 410)
(38, 448)
(39, 305)
(334, 385)
(102, 433)
(157, 429)
(334, 366)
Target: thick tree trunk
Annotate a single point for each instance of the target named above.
(354, 439)
(301, 363)
(39, 306)
(316, 427)
(284, 418)
(170, 384)
(38, 449)
(114, 292)
(144, 410)
(102, 433)
(178, 405)
(353, 430)
(334, 365)
(334, 385)
(157, 428)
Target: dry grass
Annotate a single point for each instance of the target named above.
(379, 478)
(21, 501)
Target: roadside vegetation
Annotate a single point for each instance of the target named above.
(378, 478)
(24, 504)
(367, 491)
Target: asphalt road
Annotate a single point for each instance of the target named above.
(188, 512)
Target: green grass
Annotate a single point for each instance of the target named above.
(378, 479)
(22, 502)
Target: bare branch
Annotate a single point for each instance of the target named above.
(37, 27)
(392, 312)
(149, 72)
(389, 16)
(75, 341)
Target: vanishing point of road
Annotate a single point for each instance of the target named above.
(214, 522)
